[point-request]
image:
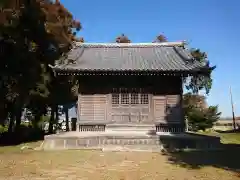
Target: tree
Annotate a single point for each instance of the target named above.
(198, 115)
(23, 31)
(194, 101)
(200, 82)
(123, 39)
(33, 34)
(20, 64)
(81, 39)
(62, 26)
(160, 38)
(37, 99)
(202, 119)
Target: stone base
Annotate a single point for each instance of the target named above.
(129, 148)
(128, 141)
(134, 128)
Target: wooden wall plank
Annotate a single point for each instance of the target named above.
(100, 104)
(95, 97)
(92, 107)
(159, 107)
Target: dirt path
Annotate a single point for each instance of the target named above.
(100, 166)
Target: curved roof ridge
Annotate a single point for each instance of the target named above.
(115, 45)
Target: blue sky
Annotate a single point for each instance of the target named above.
(212, 25)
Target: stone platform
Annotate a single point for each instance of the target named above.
(128, 141)
(133, 128)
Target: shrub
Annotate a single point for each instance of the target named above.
(201, 119)
(3, 129)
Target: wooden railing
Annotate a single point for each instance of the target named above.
(91, 128)
(170, 128)
(159, 128)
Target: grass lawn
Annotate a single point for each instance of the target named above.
(29, 164)
(230, 138)
(226, 138)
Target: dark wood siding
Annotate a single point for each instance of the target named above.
(95, 99)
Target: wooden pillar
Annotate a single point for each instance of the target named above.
(183, 121)
(78, 115)
(78, 127)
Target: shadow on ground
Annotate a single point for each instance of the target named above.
(24, 135)
(228, 158)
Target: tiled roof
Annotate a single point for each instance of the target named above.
(129, 57)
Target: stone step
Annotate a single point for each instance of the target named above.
(130, 127)
(99, 143)
(142, 148)
(127, 141)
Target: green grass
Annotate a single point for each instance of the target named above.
(226, 138)
(230, 138)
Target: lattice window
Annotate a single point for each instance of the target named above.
(129, 98)
(134, 98)
(115, 98)
(125, 98)
(144, 99)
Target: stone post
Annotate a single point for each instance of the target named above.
(77, 127)
(186, 124)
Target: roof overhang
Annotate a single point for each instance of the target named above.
(122, 45)
(203, 71)
(164, 59)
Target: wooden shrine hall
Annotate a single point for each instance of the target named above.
(130, 84)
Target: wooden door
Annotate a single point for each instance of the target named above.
(159, 108)
(130, 108)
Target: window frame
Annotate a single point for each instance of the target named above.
(124, 99)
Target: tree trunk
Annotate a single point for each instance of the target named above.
(57, 118)
(3, 115)
(18, 119)
(36, 120)
(50, 127)
(56, 113)
(11, 122)
(67, 118)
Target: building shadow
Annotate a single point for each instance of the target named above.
(227, 158)
(212, 152)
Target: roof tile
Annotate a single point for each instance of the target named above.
(132, 56)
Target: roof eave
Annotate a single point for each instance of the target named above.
(168, 44)
(200, 71)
